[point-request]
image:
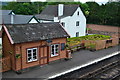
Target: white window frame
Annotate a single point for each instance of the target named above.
(55, 54)
(78, 13)
(32, 54)
(78, 22)
(63, 24)
(77, 34)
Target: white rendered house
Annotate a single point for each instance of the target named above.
(70, 16)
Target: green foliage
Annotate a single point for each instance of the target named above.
(26, 8)
(1, 55)
(88, 29)
(107, 14)
(18, 56)
(90, 46)
(76, 40)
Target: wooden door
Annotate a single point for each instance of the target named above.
(43, 55)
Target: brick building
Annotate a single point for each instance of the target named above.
(30, 45)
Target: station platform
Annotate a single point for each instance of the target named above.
(79, 60)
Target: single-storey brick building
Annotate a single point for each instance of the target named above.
(33, 44)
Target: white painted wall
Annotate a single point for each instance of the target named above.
(33, 21)
(70, 23)
(0, 26)
(60, 9)
(43, 21)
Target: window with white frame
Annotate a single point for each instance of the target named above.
(77, 34)
(77, 23)
(54, 50)
(78, 13)
(32, 54)
(63, 24)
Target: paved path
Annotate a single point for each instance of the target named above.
(79, 58)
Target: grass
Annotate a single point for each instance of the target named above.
(76, 40)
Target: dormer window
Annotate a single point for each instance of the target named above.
(78, 13)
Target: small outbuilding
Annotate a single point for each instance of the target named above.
(30, 45)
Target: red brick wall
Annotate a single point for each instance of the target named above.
(22, 63)
(8, 49)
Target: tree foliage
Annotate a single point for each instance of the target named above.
(107, 14)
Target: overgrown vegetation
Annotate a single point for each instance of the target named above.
(107, 14)
(77, 40)
(90, 46)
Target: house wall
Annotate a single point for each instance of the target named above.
(22, 63)
(33, 21)
(8, 49)
(70, 23)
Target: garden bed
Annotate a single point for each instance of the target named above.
(77, 40)
(93, 42)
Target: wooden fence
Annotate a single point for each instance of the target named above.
(5, 64)
(76, 47)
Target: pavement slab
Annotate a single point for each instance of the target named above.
(78, 58)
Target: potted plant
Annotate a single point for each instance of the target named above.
(18, 56)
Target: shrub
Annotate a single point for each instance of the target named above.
(76, 40)
(1, 55)
(90, 46)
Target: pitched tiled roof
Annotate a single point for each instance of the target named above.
(5, 12)
(51, 11)
(18, 19)
(34, 32)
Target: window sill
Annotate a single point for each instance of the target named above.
(54, 55)
(32, 61)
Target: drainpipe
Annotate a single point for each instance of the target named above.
(60, 9)
(21, 56)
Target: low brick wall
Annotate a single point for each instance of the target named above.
(5, 64)
(101, 44)
(103, 32)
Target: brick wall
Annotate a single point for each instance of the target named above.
(103, 32)
(22, 63)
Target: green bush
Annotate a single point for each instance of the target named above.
(76, 40)
(1, 55)
(90, 46)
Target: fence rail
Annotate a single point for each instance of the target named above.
(76, 47)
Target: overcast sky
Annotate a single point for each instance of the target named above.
(83, 1)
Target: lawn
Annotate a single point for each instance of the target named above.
(77, 40)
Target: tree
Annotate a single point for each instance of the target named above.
(26, 8)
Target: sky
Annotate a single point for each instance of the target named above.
(83, 1)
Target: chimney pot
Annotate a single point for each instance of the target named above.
(60, 9)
